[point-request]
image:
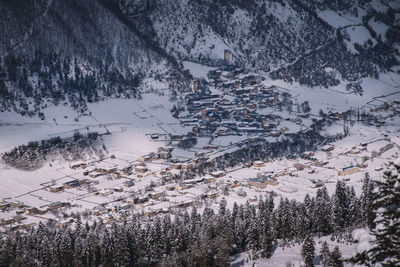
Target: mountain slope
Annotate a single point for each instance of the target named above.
(69, 52)
(73, 52)
(293, 40)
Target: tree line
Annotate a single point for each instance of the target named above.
(208, 238)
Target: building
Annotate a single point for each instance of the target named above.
(141, 169)
(226, 56)
(71, 184)
(156, 195)
(147, 157)
(4, 205)
(258, 164)
(129, 183)
(348, 170)
(218, 174)
(195, 85)
(34, 210)
(187, 166)
(164, 154)
(262, 181)
(56, 189)
(328, 148)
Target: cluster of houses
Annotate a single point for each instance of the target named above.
(218, 115)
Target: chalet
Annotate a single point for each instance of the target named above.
(348, 170)
(56, 189)
(71, 184)
(258, 164)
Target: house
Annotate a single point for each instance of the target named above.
(141, 169)
(262, 181)
(106, 193)
(212, 195)
(95, 174)
(258, 164)
(328, 148)
(307, 154)
(118, 189)
(218, 174)
(34, 210)
(55, 205)
(209, 179)
(299, 166)
(56, 189)
(164, 154)
(187, 166)
(147, 157)
(14, 219)
(5, 205)
(226, 56)
(156, 195)
(71, 184)
(187, 203)
(348, 170)
(317, 183)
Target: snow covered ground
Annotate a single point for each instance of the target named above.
(132, 122)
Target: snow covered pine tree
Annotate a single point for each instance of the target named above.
(385, 249)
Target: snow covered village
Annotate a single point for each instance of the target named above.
(203, 159)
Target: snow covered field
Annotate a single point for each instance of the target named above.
(132, 124)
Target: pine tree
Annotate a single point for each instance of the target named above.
(386, 225)
(325, 255)
(336, 258)
(366, 199)
(308, 250)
